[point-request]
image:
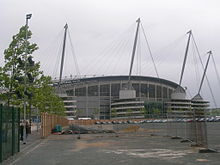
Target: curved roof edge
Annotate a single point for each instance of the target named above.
(121, 77)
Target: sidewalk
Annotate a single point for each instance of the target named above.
(33, 139)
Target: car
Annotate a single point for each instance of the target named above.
(130, 122)
(114, 122)
(124, 122)
(201, 119)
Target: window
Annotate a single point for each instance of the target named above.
(93, 90)
(80, 91)
(164, 92)
(115, 89)
(170, 92)
(136, 88)
(104, 90)
(159, 91)
(144, 90)
(70, 92)
(152, 91)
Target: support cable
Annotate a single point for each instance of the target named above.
(49, 53)
(113, 45)
(196, 66)
(159, 53)
(74, 55)
(138, 62)
(213, 98)
(139, 47)
(121, 57)
(114, 53)
(56, 66)
(216, 71)
(149, 50)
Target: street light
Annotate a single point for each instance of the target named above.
(28, 16)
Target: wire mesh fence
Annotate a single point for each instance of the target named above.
(186, 126)
(9, 131)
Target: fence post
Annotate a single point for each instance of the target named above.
(13, 131)
(18, 115)
(1, 133)
(42, 125)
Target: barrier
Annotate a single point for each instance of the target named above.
(9, 131)
(49, 121)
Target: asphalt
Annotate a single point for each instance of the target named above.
(125, 148)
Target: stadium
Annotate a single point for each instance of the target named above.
(99, 97)
(125, 96)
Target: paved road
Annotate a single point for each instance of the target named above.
(180, 129)
(125, 149)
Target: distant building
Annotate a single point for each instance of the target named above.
(100, 96)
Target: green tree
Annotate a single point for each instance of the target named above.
(156, 112)
(143, 111)
(129, 113)
(113, 112)
(22, 79)
(20, 68)
(79, 112)
(45, 98)
(215, 112)
(96, 113)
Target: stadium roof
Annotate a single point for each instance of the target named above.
(118, 78)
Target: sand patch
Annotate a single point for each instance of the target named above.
(202, 160)
(165, 154)
(133, 128)
(80, 145)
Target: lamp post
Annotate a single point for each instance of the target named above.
(28, 16)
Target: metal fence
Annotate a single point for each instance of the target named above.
(189, 126)
(9, 131)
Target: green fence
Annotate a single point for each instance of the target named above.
(9, 131)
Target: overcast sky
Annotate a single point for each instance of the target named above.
(102, 33)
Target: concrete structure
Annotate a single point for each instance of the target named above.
(97, 96)
(181, 107)
(70, 104)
